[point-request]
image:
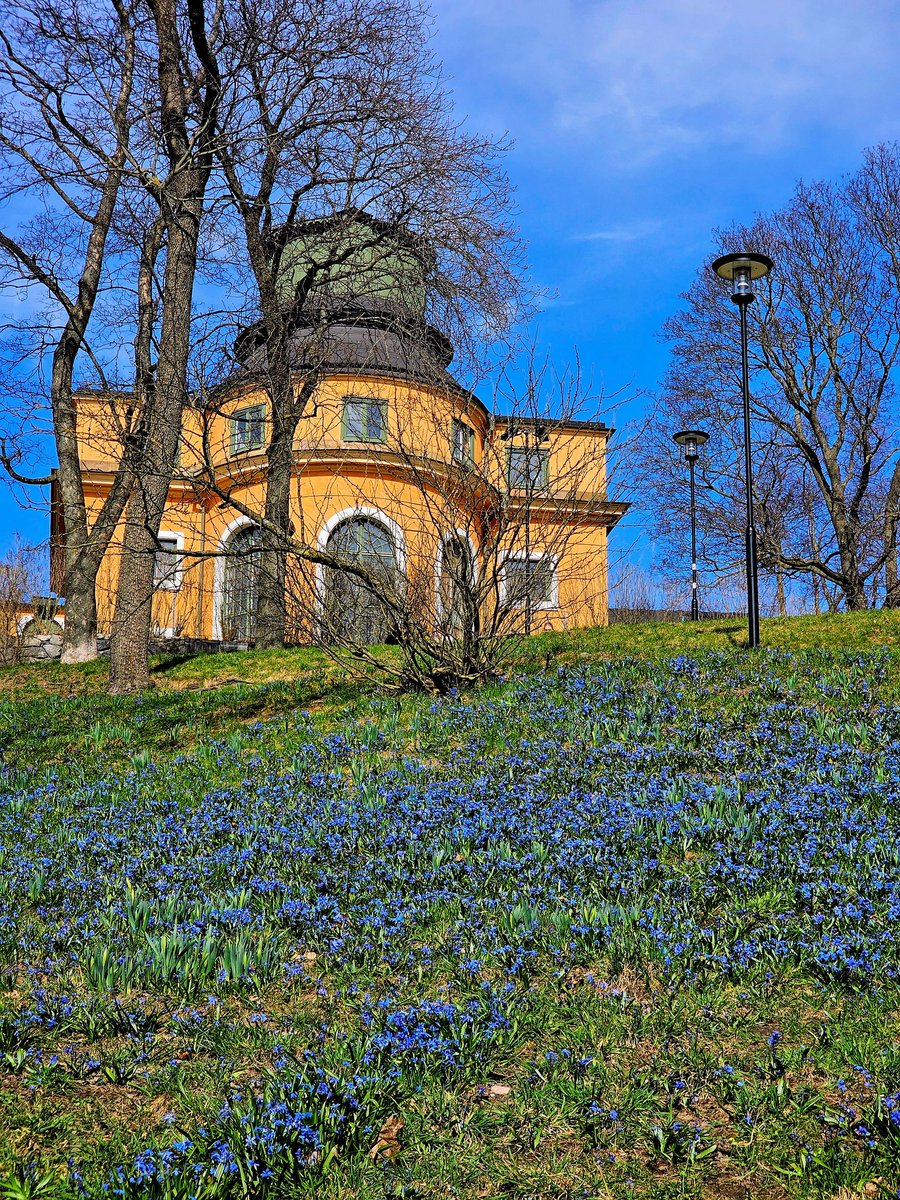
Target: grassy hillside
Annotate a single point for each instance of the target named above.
(622, 927)
(50, 713)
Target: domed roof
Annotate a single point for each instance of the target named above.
(354, 289)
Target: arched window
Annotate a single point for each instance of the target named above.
(240, 591)
(456, 591)
(351, 610)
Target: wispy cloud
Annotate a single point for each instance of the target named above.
(620, 234)
(667, 76)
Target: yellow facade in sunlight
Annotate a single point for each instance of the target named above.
(421, 463)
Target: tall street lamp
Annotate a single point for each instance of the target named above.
(692, 440)
(741, 270)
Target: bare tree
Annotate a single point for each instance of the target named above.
(875, 194)
(824, 343)
(336, 134)
(20, 576)
(189, 89)
(69, 99)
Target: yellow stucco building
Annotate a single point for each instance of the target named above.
(393, 462)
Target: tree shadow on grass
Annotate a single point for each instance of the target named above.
(730, 631)
(170, 663)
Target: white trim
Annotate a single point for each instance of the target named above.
(347, 514)
(23, 622)
(219, 571)
(174, 581)
(521, 556)
(439, 562)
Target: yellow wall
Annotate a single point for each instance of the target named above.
(409, 479)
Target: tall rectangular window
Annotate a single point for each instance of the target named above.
(247, 426)
(535, 575)
(167, 563)
(528, 468)
(463, 443)
(364, 420)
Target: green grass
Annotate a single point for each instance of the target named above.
(50, 713)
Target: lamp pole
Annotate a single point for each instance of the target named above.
(741, 270)
(692, 440)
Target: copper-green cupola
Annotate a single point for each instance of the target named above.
(355, 288)
(354, 260)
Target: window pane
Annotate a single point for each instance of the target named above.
(255, 423)
(463, 442)
(528, 467)
(376, 421)
(524, 576)
(354, 416)
(166, 562)
(247, 428)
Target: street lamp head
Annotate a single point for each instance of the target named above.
(692, 440)
(742, 269)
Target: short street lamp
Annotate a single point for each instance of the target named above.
(742, 270)
(692, 440)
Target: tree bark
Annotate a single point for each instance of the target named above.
(891, 522)
(182, 200)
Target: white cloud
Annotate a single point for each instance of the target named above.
(619, 234)
(658, 76)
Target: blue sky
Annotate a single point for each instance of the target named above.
(640, 126)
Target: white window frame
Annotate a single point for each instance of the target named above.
(221, 552)
(364, 511)
(520, 556)
(173, 582)
(449, 535)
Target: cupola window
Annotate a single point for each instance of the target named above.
(463, 443)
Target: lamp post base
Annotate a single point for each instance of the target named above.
(752, 591)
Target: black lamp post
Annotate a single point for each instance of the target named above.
(692, 440)
(742, 270)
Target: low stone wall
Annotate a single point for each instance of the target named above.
(46, 647)
(41, 647)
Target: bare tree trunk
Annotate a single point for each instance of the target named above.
(84, 546)
(891, 521)
(182, 208)
(271, 615)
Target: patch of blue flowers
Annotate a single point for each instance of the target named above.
(704, 818)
